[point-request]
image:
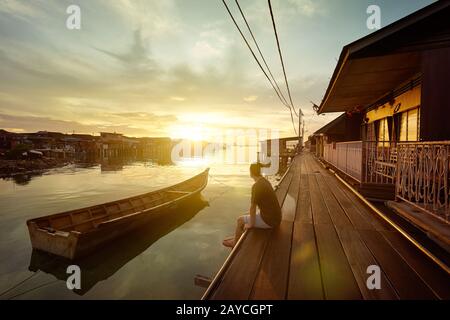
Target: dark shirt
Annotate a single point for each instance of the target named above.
(266, 200)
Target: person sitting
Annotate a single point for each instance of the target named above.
(265, 211)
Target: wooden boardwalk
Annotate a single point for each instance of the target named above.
(322, 249)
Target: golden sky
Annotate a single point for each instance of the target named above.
(169, 68)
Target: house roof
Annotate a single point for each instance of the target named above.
(337, 126)
(282, 139)
(371, 67)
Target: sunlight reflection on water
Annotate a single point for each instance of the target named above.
(153, 268)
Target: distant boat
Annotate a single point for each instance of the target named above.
(75, 233)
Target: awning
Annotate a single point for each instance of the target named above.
(371, 67)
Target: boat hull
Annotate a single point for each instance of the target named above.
(74, 244)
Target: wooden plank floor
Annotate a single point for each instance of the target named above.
(323, 247)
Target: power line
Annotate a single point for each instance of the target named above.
(281, 56)
(260, 53)
(259, 64)
(264, 60)
(251, 50)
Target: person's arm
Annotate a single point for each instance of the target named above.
(252, 211)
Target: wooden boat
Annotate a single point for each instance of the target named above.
(75, 233)
(112, 256)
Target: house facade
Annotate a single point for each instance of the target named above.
(396, 83)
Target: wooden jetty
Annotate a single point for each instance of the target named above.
(327, 240)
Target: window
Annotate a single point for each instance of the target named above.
(409, 125)
(383, 133)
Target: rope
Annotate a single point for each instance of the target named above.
(26, 279)
(19, 283)
(34, 288)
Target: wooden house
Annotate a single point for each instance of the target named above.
(339, 143)
(396, 82)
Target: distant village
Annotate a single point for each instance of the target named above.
(22, 152)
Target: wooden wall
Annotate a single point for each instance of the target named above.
(435, 111)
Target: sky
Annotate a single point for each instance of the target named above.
(176, 68)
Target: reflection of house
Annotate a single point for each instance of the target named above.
(111, 145)
(116, 145)
(156, 149)
(85, 146)
(394, 82)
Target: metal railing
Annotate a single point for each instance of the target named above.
(423, 176)
(345, 156)
(419, 170)
(380, 161)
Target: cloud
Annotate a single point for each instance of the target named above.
(19, 9)
(250, 98)
(146, 117)
(135, 74)
(156, 18)
(307, 8)
(211, 43)
(178, 99)
(203, 49)
(137, 58)
(154, 125)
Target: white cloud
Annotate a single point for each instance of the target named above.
(87, 76)
(308, 8)
(203, 49)
(20, 9)
(211, 44)
(178, 99)
(155, 18)
(250, 98)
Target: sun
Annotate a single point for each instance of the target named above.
(189, 132)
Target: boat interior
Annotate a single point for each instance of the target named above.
(90, 218)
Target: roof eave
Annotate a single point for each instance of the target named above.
(368, 40)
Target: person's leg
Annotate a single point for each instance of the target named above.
(231, 241)
(239, 228)
(260, 223)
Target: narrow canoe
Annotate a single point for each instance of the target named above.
(75, 233)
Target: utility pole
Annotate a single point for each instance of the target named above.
(303, 132)
(300, 134)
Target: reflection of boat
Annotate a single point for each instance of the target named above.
(75, 233)
(113, 256)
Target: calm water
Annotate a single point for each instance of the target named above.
(159, 261)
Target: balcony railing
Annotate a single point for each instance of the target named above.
(419, 170)
(423, 176)
(345, 156)
(380, 162)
